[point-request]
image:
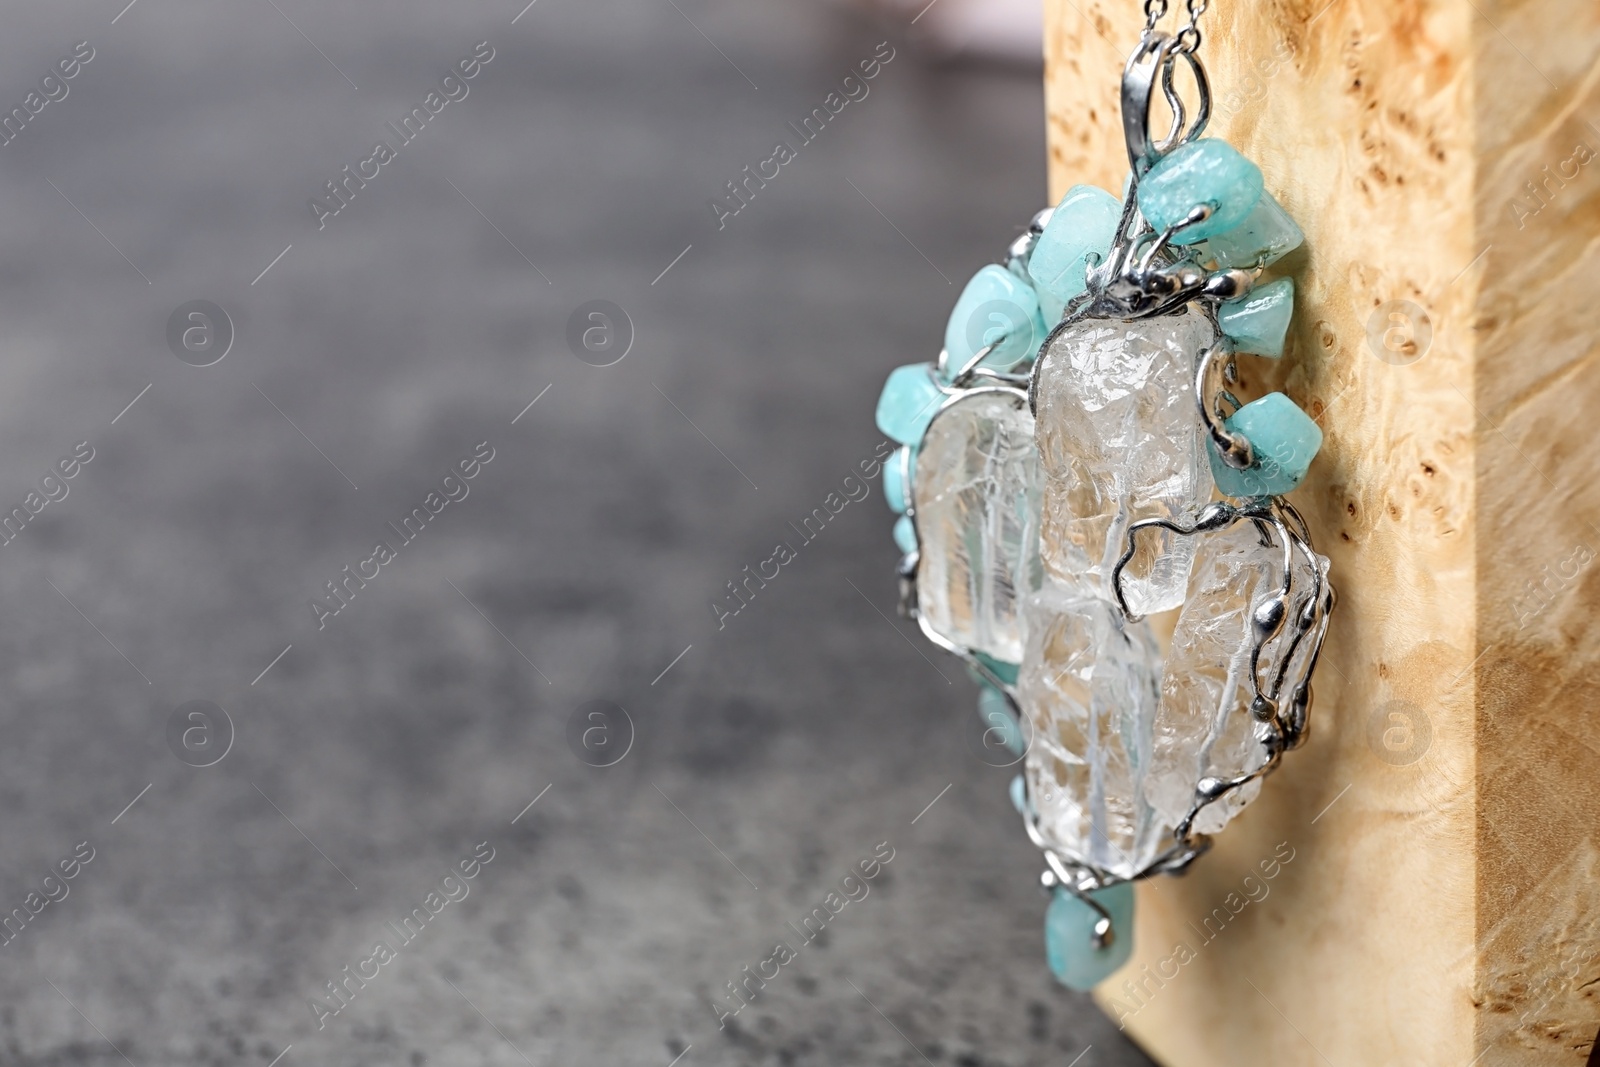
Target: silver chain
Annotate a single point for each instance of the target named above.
(1188, 38)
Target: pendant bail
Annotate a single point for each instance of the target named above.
(1155, 58)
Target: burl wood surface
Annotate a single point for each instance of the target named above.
(1441, 902)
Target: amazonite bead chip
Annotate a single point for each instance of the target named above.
(908, 403)
(1019, 795)
(1265, 236)
(1258, 321)
(897, 473)
(1006, 672)
(996, 308)
(1069, 936)
(1081, 227)
(905, 534)
(1001, 726)
(1284, 440)
(1050, 309)
(1200, 172)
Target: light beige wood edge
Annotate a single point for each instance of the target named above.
(1442, 899)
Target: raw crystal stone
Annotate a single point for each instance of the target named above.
(1081, 228)
(908, 403)
(1265, 236)
(905, 534)
(996, 308)
(1069, 945)
(1258, 321)
(1120, 440)
(977, 500)
(1207, 171)
(897, 475)
(1204, 727)
(1284, 440)
(1019, 795)
(1089, 691)
(1000, 723)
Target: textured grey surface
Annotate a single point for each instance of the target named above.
(418, 724)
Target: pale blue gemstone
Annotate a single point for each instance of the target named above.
(1258, 321)
(1006, 672)
(1019, 795)
(905, 534)
(1081, 229)
(909, 401)
(1000, 723)
(996, 308)
(897, 474)
(1265, 236)
(1284, 440)
(1069, 936)
(1201, 172)
(1050, 309)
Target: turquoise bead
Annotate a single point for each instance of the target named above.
(1019, 795)
(1258, 321)
(1265, 236)
(1284, 440)
(1080, 229)
(905, 534)
(897, 473)
(1006, 672)
(909, 401)
(1200, 172)
(1050, 309)
(996, 308)
(1000, 722)
(1069, 936)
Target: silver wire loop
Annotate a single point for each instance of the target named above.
(1234, 448)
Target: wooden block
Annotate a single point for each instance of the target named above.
(1442, 902)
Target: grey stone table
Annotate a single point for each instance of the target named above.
(162, 607)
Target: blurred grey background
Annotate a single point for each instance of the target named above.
(358, 761)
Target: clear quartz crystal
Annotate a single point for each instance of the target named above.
(1204, 727)
(977, 504)
(1089, 688)
(1120, 440)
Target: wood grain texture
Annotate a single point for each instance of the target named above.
(1446, 906)
(1537, 212)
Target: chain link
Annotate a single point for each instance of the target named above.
(1188, 38)
(1154, 12)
